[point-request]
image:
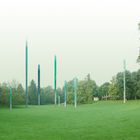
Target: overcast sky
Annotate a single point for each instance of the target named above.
(88, 36)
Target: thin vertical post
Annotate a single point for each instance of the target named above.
(124, 82)
(10, 99)
(75, 92)
(65, 93)
(26, 75)
(55, 79)
(38, 84)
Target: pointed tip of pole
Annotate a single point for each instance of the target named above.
(75, 78)
(39, 65)
(124, 63)
(26, 43)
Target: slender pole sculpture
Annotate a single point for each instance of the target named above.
(38, 84)
(124, 82)
(65, 93)
(55, 79)
(75, 92)
(26, 74)
(10, 99)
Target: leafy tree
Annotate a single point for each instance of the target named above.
(104, 90)
(0, 95)
(4, 94)
(70, 96)
(120, 83)
(18, 95)
(60, 93)
(42, 96)
(32, 93)
(137, 85)
(87, 89)
(113, 89)
(49, 92)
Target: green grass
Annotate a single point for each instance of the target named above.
(98, 121)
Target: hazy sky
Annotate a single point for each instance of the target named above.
(88, 36)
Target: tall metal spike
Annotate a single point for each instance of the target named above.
(124, 81)
(55, 79)
(26, 73)
(38, 84)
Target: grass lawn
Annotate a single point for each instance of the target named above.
(98, 121)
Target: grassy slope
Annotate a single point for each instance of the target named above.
(99, 121)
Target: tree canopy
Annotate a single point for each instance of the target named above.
(87, 89)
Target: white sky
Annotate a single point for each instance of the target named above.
(88, 36)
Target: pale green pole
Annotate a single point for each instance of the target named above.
(55, 79)
(75, 92)
(124, 82)
(65, 93)
(38, 84)
(26, 75)
(10, 99)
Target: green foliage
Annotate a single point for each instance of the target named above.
(4, 94)
(104, 90)
(136, 83)
(61, 94)
(32, 93)
(18, 95)
(70, 96)
(87, 89)
(113, 90)
(49, 91)
(119, 84)
(132, 86)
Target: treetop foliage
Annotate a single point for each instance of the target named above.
(87, 89)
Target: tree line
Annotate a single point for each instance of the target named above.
(87, 89)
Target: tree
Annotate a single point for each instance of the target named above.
(4, 94)
(129, 85)
(32, 93)
(21, 94)
(42, 96)
(18, 95)
(0, 94)
(104, 90)
(49, 92)
(70, 96)
(137, 85)
(87, 89)
(113, 89)
(134, 85)
(60, 93)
